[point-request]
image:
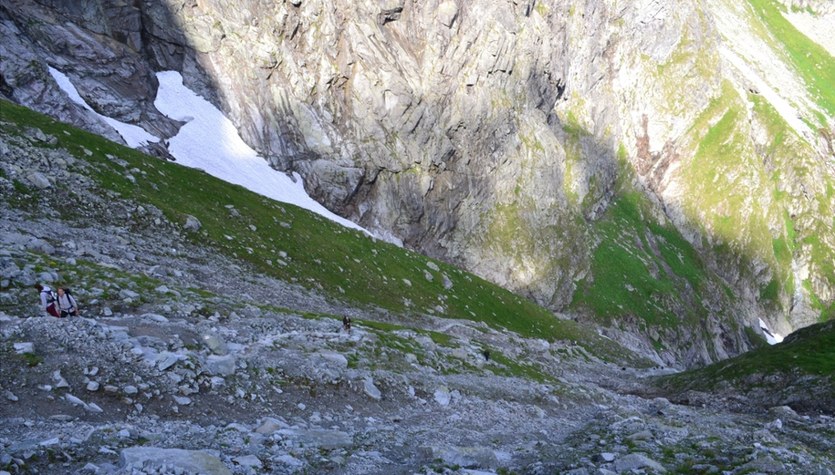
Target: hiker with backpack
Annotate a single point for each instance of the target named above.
(49, 300)
(66, 303)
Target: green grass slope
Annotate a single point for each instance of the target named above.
(800, 371)
(646, 277)
(298, 246)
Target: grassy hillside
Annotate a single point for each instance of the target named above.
(640, 268)
(800, 370)
(296, 245)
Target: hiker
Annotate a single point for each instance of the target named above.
(48, 300)
(66, 303)
(346, 323)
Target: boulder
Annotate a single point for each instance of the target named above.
(220, 365)
(371, 390)
(192, 223)
(636, 461)
(183, 461)
(39, 180)
(215, 344)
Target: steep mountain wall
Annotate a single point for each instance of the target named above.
(662, 167)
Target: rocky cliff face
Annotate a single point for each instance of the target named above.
(561, 150)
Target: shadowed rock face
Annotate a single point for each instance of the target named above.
(494, 135)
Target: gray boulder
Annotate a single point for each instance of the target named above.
(631, 462)
(183, 461)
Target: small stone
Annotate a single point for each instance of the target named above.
(39, 180)
(129, 389)
(183, 401)
(21, 348)
(636, 461)
(60, 382)
(269, 426)
(642, 435)
(74, 400)
(192, 223)
(371, 390)
(215, 344)
(93, 407)
(607, 457)
(125, 294)
(155, 317)
(110, 389)
(776, 424)
(92, 386)
(442, 396)
(250, 461)
(10, 396)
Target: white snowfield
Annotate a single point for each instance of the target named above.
(134, 136)
(772, 338)
(210, 142)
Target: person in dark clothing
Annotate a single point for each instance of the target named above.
(346, 323)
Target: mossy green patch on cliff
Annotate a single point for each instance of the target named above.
(808, 194)
(639, 268)
(733, 188)
(814, 64)
(689, 67)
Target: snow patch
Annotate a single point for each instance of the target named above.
(772, 338)
(133, 135)
(209, 141)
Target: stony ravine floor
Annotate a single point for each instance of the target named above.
(185, 362)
